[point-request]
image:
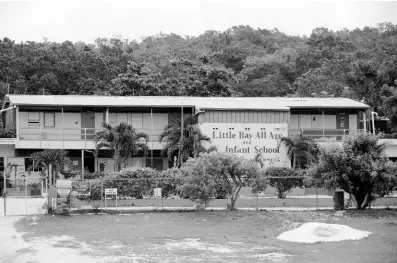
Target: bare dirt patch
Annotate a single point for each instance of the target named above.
(213, 237)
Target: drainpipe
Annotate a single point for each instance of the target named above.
(373, 121)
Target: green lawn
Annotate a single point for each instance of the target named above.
(211, 237)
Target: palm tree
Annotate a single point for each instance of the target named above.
(54, 157)
(123, 140)
(300, 149)
(189, 145)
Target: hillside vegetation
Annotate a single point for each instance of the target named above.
(241, 61)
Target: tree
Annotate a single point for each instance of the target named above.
(123, 140)
(232, 171)
(359, 166)
(188, 146)
(44, 159)
(301, 150)
(283, 185)
(197, 184)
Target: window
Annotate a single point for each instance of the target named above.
(1, 164)
(49, 119)
(34, 119)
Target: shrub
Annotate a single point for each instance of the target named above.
(359, 166)
(198, 185)
(283, 185)
(140, 185)
(169, 185)
(228, 170)
(94, 175)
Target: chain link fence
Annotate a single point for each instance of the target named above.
(163, 194)
(23, 196)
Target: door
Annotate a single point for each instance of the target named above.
(87, 125)
(342, 121)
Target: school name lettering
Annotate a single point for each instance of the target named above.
(246, 135)
(255, 149)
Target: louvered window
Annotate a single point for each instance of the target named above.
(34, 119)
(49, 119)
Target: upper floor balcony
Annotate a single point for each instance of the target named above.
(324, 135)
(71, 138)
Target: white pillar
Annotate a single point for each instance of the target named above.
(82, 164)
(323, 124)
(365, 122)
(107, 116)
(151, 138)
(17, 122)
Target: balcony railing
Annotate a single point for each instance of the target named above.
(83, 134)
(324, 134)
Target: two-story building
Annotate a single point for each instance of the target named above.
(244, 126)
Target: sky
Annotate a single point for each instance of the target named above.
(86, 20)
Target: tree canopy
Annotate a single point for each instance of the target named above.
(240, 61)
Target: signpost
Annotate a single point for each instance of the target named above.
(157, 194)
(64, 188)
(110, 191)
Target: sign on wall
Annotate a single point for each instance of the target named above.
(248, 140)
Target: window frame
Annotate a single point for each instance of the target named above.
(45, 124)
(34, 123)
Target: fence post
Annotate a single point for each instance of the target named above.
(316, 194)
(155, 196)
(257, 200)
(26, 196)
(5, 196)
(101, 193)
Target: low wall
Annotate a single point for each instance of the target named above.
(241, 202)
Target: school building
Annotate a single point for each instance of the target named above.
(245, 126)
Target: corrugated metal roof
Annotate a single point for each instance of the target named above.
(264, 103)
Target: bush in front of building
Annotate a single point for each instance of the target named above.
(359, 166)
(283, 184)
(170, 180)
(197, 184)
(222, 171)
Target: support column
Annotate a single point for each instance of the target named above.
(82, 164)
(17, 122)
(323, 123)
(151, 138)
(63, 130)
(107, 116)
(364, 122)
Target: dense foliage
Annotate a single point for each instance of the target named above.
(283, 184)
(359, 63)
(184, 147)
(222, 171)
(359, 166)
(123, 140)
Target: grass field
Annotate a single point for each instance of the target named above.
(203, 237)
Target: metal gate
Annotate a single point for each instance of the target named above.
(23, 196)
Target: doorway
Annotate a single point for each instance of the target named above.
(87, 125)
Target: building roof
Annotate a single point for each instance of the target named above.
(225, 103)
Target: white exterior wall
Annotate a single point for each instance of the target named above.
(353, 122)
(306, 121)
